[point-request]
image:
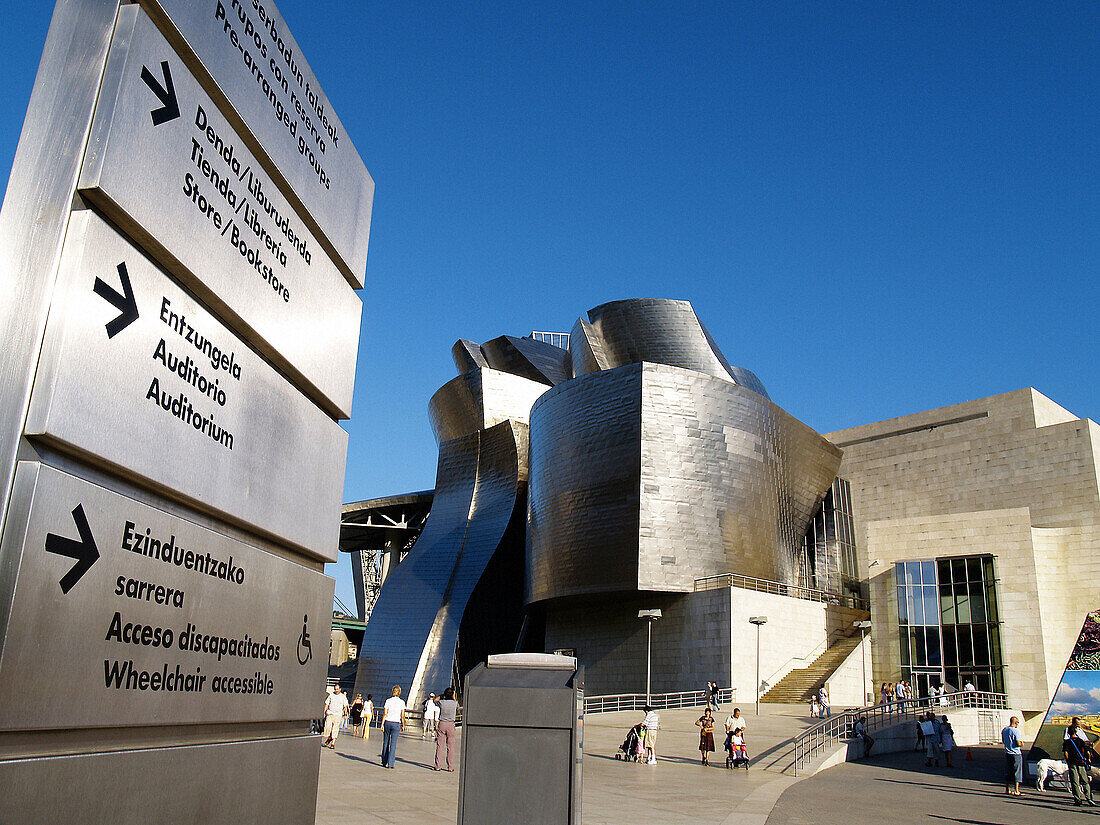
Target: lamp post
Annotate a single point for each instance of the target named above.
(863, 626)
(650, 616)
(758, 620)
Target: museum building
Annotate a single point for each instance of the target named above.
(630, 466)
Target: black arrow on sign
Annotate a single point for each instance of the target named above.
(84, 551)
(124, 302)
(170, 109)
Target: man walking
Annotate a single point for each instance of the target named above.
(1014, 757)
(336, 709)
(1078, 751)
(823, 698)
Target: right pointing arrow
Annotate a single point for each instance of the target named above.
(84, 551)
(123, 301)
(170, 109)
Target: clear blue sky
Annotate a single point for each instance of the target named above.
(879, 208)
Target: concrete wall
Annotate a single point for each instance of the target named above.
(903, 737)
(702, 636)
(851, 685)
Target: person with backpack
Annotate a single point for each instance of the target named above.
(1078, 751)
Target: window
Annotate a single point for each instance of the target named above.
(947, 612)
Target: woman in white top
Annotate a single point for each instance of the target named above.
(393, 722)
(368, 716)
(652, 724)
(431, 714)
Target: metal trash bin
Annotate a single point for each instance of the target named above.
(522, 741)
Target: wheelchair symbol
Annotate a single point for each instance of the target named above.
(303, 643)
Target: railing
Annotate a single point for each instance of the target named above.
(557, 339)
(660, 701)
(793, 591)
(840, 726)
(835, 635)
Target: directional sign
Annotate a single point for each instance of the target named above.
(169, 395)
(84, 551)
(167, 166)
(250, 55)
(168, 622)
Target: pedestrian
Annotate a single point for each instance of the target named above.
(355, 714)
(920, 735)
(823, 700)
(901, 695)
(1079, 756)
(947, 740)
(735, 726)
(815, 709)
(861, 733)
(368, 716)
(652, 723)
(1014, 757)
(336, 708)
(715, 695)
(393, 722)
(930, 726)
(705, 724)
(445, 730)
(884, 694)
(943, 696)
(969, 687)
(431, 714)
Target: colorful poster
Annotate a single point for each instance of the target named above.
(1078, 694)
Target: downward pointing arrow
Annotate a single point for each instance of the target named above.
(84, 551)
(124, 302)
(170, 109)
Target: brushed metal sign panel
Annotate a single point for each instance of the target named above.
(136, 373)
(270, 781)
(146, 618)
(255, 62)
(169, 168)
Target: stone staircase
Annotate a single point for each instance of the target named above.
(798, 685)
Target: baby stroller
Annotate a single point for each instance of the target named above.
(737, 755)
(632, 749)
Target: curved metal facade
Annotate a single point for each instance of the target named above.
(413, 632)
(479, 399)
(657, 331)
(653, 462)
(647, 477)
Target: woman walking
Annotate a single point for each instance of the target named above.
(368, 716)
(445, 730)
(355, 714)
(947, 740)
(393, 722)
(705, 724)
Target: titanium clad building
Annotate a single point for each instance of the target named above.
(655, 465)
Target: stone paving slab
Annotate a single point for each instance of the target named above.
(897, 789)
(354, 788)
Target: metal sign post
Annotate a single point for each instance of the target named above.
(182, 236)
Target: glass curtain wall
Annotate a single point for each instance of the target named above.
(947, 616)
(829, 548)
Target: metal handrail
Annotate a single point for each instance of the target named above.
(794, 591)
(659, 701)
(813, 741)
(840, 633)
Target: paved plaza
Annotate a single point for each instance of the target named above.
(897, 788)
(355, 788)
(894, 788)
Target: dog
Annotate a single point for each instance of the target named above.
(1046, 767)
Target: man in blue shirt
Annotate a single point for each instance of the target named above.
(1014, 757)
